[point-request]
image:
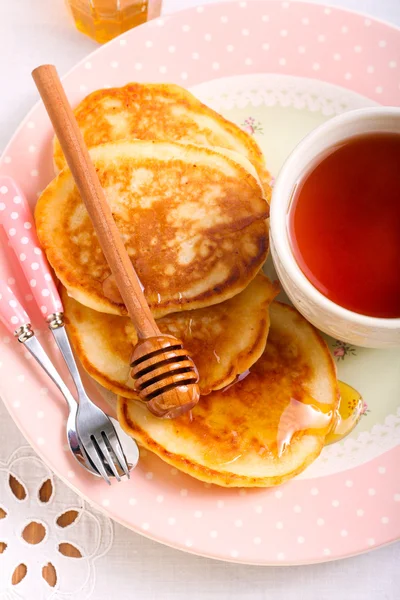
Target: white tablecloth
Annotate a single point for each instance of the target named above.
(37, 31)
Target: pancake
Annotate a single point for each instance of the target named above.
(159, 112)
(264, 429)
(224, 340)
(192, 220)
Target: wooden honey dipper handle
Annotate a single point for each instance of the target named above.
(88, 184)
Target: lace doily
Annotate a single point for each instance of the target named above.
(49, 537)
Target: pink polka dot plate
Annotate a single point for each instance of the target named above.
(278, 69)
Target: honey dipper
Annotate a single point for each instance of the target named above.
(165, 377)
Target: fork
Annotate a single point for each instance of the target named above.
(96, 432)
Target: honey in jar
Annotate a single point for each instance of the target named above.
(103, 20)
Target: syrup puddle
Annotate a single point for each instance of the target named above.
(348, 414)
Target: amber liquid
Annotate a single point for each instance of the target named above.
(348, 413)
(344, 225)
(103, 20)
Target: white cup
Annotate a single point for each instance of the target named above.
(333, 319)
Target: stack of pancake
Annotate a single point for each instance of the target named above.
(190, 193)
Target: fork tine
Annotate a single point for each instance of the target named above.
(115, 444)
(110, 462)
(93, 454)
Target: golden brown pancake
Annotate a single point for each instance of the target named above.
(260, 431)
(192, 220)
(224, 340)
(159, 112)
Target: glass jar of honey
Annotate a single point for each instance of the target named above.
(103, 20)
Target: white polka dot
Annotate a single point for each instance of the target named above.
(297, 508)
(357, 49)
(371, 541)
(301, 49)
(198, 514)
(238, 523)
(320, 522)
(114, 64)
(145, 526)
(316, 66)
(384, 520)
(234, 553)
(305, 21)
(213, 534)
(70, 474)
(371, 492)
(359, 512)
(392, 64)
(242, 492)
(382, 44)
(258, 509)
(14, 320)
(16, 404)
(37, 251)
(370, 69)
(40, 441)
(132, 501)
(12, 231)
(184, 75)
(122, 42)
(88, 65)
(282, 61)
(345, 29)
(278, 494)
(29, 297)
(3, 189)
(34, 266)
(105, 502)
(230, 48)
(188, 543)
(17, 200)
(220, 504)
(248, 61)
(349, 483)
(347, 76)
(280, 556)
(285, 4)
(326, 552)
(379, 89)
(265, 18)
(284, 32)
(300, 539)
(34, 173)
(47, 277)
(279, 525)
(7, 159)
(242, 4)
(12, 303)
(149, 44)
(245, 32)
(327, 11)
(45, 293)
(6, 339)
(265, 46)
(162, 69)
(367, 22)
(2, 206)
(171, 521)
(185, 28)
(183, 492)
(171, 49)
(396, 497)
(257, 540)
(215, 66)
(200, 9)
(30, 125)
(160, 498)
(40, 414)
(321, 38)
(344, 533)
(314, 491)
(335, 503)
(82, 87)
(208, 37)
(24, 240)
(138, 66)
(224, 19)
(43, 309)
(14, 216)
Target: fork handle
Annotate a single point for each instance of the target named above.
(16, 218)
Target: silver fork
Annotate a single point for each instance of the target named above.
(95, 429)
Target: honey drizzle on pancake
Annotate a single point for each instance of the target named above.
(347, 415)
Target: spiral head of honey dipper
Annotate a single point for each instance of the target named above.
(165, 376)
